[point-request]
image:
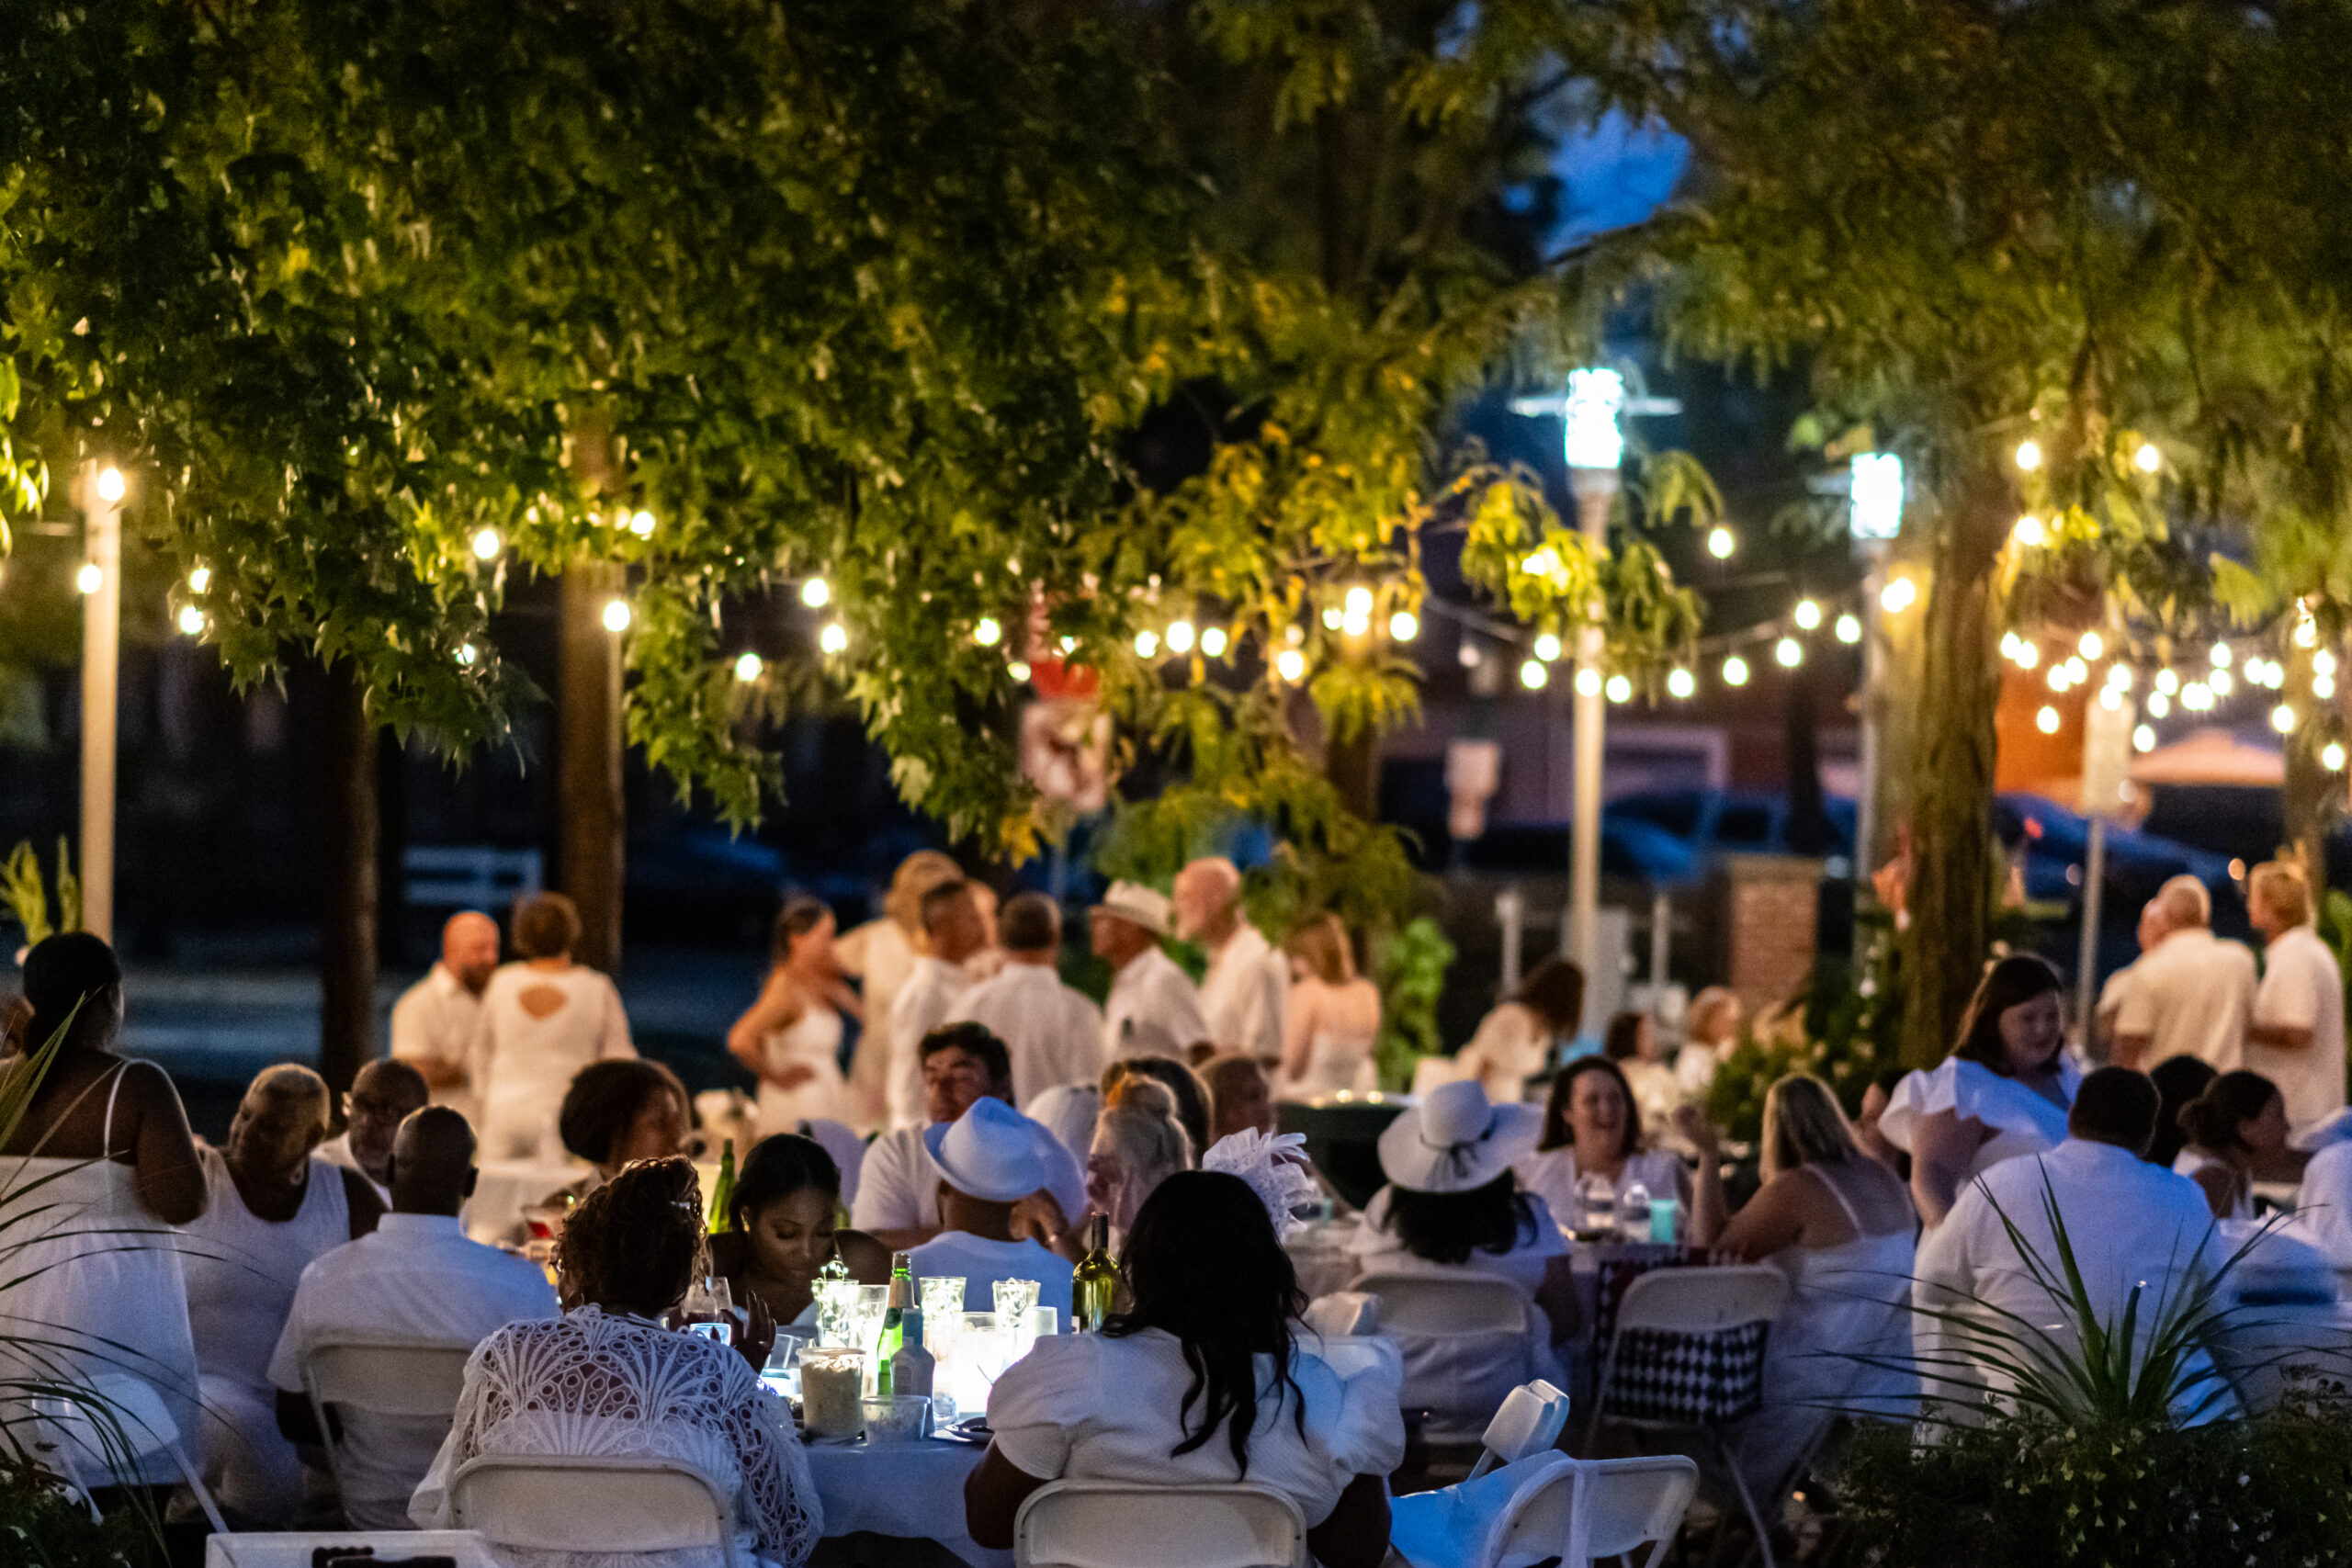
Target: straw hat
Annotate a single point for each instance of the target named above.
(1457, 1141)
(1138, 905)
(990, 1153)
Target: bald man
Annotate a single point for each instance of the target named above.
(416, 1278)
(2192, 994)
(434, 1022)
(381, 1097)
(1247, 982)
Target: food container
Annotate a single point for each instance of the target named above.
(895, 1418)
(833, 1378)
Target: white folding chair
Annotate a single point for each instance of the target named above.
(594, 1504)
(1575, 1512)
(120, 1412)
(1116, 1524)
(1530, 1420)
(1695, 1300)
(1443, 1321)
(418, 1379)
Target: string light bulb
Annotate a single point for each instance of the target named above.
(200, 579)
(2046, 720)
(2092, 644)
(2166, 682)
(1019, 670)
(2119, 676)
(815, 594)
(1180, 637)
(2220, 682)
(1359, 600)
(110, 484)
(2282, 719)
(2323, 662)
(1547, 647)
(2147, 459)
(641, 525)
(487, 544)
(1898, 595)
(1147, 644)
(2029, 654)
(1587, 683)
(2076, 671)
(2323, 686)
(2331, 757)
(1213, 642)
(1681, 683)
(2306, 631)
(987, 632)
(1533, 674)
(2158, 704)
(1544, 562)
(2029, 532)
(1721, 542)
(617, 615)
(1403, 626)
(834, 638)
(1291, 665)
(90, 579)
(1735, 671)
(467, 655)
(191, 620)
(1332, 616)
(2029, 455)
(1849, 629)
(2110, 699)
(1619, 690)
(1807, 615)
(1788, 653)
(2221, 656)
(2142, 739)
(748, 666)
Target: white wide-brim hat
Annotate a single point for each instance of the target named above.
(990, 1153)
(1456, 1140)
(1138, 905)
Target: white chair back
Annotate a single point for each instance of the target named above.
(591, 1504)
(1530, 1420)
(1576, 1512)
(418, 1379)
(123, 1412)
(1445, 1306)
(1702, 1301)
(1112, 1524)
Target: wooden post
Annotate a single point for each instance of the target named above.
(588, 841)
(347, 944)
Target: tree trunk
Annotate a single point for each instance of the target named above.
(2305, 805)
(588, 762)
(347, 945)
(1953, 872)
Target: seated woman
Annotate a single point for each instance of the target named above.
(1452, 1206)
(1199, 1385)
(1591, 1127)
(784, 1225)
(1838, 1224)
(607, 1379)
(616, 1113)
(2178, 1080)
(2236, 1131)
(1139, 1143)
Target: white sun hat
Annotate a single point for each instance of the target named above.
(1138, 905)
(1456, 1140)
(990, 1153)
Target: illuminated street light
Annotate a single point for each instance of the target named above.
(1875, 510)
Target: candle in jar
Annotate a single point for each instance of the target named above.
(833, 1382)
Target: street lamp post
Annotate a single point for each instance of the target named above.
(100, 491)
(1596, 449)
(1874, 517)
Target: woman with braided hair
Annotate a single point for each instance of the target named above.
(607, 1379)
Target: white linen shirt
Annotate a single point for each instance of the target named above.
(897, 1189)
(417, 1277)
(1153, 1010)
(2324, 1202)
(922, 1004)
(435, 1021)
(2301, 989)
(1242, 995)
(1053, 1033)
(2191, 994)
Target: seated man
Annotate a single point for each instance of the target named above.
(416, 1278)
(380, 1099)
(898, 1192)
(990, 1160)
(2131, 1225)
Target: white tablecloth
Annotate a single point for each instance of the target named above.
(292, 1548)
(914, 1490)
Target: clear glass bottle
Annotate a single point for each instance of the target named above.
(1633, 1211)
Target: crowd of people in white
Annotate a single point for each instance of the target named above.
(988, 1111)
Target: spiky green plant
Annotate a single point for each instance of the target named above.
(28, 900)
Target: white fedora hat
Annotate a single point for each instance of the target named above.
(1138, 905)
(1455, 1140)
(990, 1153)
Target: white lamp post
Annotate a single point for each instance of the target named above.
(100, 491)
(1875, 517)
(1596, 449)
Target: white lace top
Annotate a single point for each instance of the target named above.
(593, 1383)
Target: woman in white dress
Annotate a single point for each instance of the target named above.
(1516, 1042)
(1331, 1020)
(1838, 1224)
(1593, 1139)
(2004, 1090)
(2237, 1130)
(542, 1020)
(880, 955)
(100, 1287)
(607, 1379)
(792, 1035)
(1201, 1383)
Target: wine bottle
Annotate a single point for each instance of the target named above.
(1095, 1282)
(894, 1316)
(722, 1191)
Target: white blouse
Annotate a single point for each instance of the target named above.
(1092, 1407)
(594, 1383)
(2022, 1122)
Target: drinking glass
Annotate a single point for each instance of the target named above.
(835, 1299)
(942, 1314)
(1014, 1298)
(865, 1327)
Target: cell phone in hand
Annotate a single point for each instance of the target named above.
(720, 1332)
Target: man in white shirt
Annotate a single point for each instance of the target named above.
(1242, 994)
(1053, 1033)
(2131, 1224)
(1153, 1009)
(2153, 929)
(2191, 994)
(898, 1188)
(434, 1022)
(989, 1163)
(953, 927)
(381, 1097)
(2297, 1037)
(416, 1278)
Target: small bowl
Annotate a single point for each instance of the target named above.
(894, 1419)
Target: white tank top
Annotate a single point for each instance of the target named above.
(242, 1271)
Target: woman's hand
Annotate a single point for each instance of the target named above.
(1692, 1124)
(756, 1339)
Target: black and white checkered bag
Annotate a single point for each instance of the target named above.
(1700, 1378)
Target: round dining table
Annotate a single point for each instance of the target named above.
(908, 1491)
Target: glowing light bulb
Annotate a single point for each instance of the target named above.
(2029, 532)
(1147, 644)
(2029, 654)
(1018, 669)
(1533, 674)
(2147, 459)
(986, 632)
(2221, 656)
(191, 620)
(1544, 562)
(2331, 757)
(815, 594)
(1180, 637)
(2167, 682)
(2110, 699)
(1849, 629)
(1547, 647)
(110, 484)
(2323, 662)
(1587, 683)
(1359, 600)
(467, 655)
(487, 544)
(1068, 646)
(89, 580)
(2282, 719)
(1213, 642)
(2306, 633)
(1787, 652)
(2120, 677)
(1735, 671)
(834, 638)
(617, 614)
(2046, 720)
(1721, 543)
(2008, 645)
(1353, 625)
(641, 525)
(2028, 456)
(1807, 615)
(2158, 704)
(2323, 686)
(1290, 664)
(1898, 596)
(2058, 678)
(1620, 690)
(1681, 683)
(2219, 683)
(2092, 644)
(200, 579)
(1403, 626)
(748, 666)
(2142, 739)
(1332, 616)
(2076, 671)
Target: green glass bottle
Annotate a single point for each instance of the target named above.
(1094, 1285)
(722, 1191)
(894, 1316)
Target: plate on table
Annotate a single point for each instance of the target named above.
(972, 1429)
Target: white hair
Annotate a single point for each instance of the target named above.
(2185, 902)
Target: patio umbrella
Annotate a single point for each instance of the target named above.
(2213, 756)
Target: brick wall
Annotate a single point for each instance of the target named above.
(1771, 905)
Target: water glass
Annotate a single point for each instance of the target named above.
(895, 1420)
(1044, 1322)
(1597, 1197)
(865, 1327)
(835, 1301)
(942, 1312)
(1014, 1299)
